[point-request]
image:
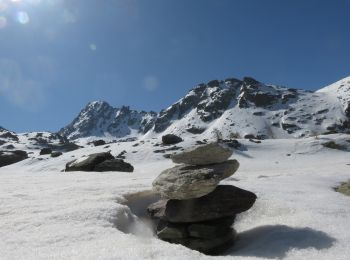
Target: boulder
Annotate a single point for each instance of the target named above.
(98, 142)
(171, 139)
(10, 157)
(56, 154)
(117, 165)
(89, 163)
(224, 201)
(187, 182)
(202, 155)
(45, 151)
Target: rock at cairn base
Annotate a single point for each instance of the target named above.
(202, 155)
(224, 201)
(187, 182)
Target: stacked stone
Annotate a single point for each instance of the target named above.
(194, 210)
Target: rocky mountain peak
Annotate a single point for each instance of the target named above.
(99, 118)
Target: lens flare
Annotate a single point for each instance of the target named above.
(93, 47)
(3, 6)
(23, 17)
(3, 22)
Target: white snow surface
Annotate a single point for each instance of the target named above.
(49, 214)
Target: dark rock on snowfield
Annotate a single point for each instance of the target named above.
(186, 182)
(89, 163)
(203, 155)
(117, 165)
(224, 201)
(45, 151)
(98, 142)
(9, 147)
(9, 135)
(99, 162)
(10, 157)
(56, 154)
(171, 139)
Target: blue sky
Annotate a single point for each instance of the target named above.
(57, 55)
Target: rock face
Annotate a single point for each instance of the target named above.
(10, 157)
(203, 155)
(99, 162)
(194, 210)
(171, 139)
(224, 201)
(187, 181)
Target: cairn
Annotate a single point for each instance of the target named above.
(194, 210)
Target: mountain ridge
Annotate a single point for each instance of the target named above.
(244, 108)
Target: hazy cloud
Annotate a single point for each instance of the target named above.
(22, 92)
(150, 83)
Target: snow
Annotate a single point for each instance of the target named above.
(49, 214)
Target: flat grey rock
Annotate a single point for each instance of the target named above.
(203, 155)
(188, 182)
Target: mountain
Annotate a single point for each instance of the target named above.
(232, 108)
(98, 118)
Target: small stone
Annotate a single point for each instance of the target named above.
(187, 182)
(203, 155)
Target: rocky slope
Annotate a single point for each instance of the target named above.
(229, 108)
(98, 118)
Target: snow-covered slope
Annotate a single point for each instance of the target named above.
(233, 108)
(48, 214)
